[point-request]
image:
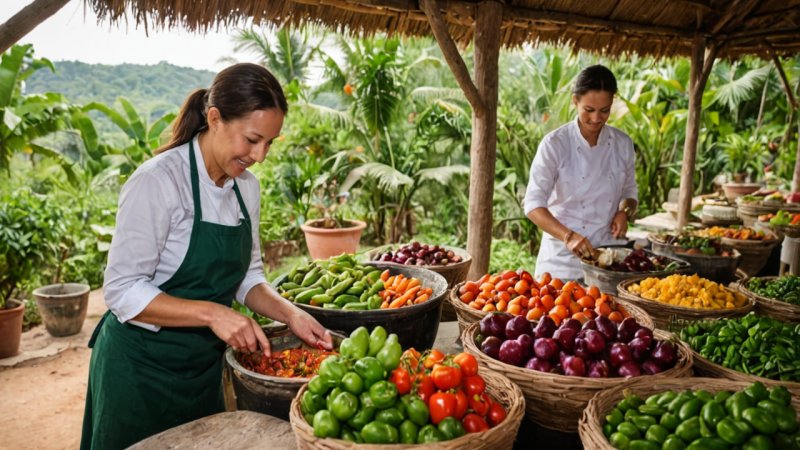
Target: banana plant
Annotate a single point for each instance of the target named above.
(144, 138)
(26, 118)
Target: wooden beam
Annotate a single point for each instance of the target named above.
(453, 57)
(702, 61)
(26, 20)
(483, 148)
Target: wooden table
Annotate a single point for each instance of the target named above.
(250, 430)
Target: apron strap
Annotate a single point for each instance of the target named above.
(198, 211)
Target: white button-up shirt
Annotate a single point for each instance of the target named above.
(154, 223)
(582, 187)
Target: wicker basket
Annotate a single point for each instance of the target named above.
(453, 273)
(704, 367)
(663, 314)
(557, 401)
(591, 423)
(749, 212)
(500, 437)
(607, 280)
(754, 253)
(766, 306)
(468, 315)
(721, 269)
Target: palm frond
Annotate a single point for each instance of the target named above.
(442, 175)
(320, 112)
(741, 89)
(389, 179)
(431, 93)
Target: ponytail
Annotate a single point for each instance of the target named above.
(190, 121)
(236, 92)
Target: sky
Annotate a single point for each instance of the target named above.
(73, 33)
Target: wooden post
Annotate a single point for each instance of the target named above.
(484, 137)
(701, 62)
(26, 20)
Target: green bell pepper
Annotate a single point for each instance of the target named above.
(376, 340)
(656, 433)
(757, 392)
(689, 430)
(615, 417)
(758, 442)
(363, 416)
(390, 354)
(451, 428)
(641, 444)
(379, 433)
(352, 383)
(673, 443)
(408, 432)
(620, 441)
(370, 370)
(780, 395)
(629, 429)
(417, 411)
(383, 394)
(712, 412)
(761, 420)
(344, 406)
(732, 431)
(708, 443)
(332, 369)
(310, 403)
(428, 434)
(326, 425)
(690, 409)
(669, 421)
(393, 416)
(785, 417)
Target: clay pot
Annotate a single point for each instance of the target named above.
(735, 190)
(11, 328)
(326, 242)
(63, 307)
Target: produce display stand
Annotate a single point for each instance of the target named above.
(556, 401)
(591, 423)
(766, 306)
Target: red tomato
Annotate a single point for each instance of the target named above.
(434, 357)
(474, 385)
(496, 414)
(411, 357)
(467, 363)
(474, 423)
(441, 405)
(479, 404)
(425, 387)
(462, 403)
(402, 380)
(446, 377)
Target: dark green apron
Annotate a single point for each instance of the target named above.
(141, 382)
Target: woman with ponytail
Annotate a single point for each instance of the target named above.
(185, 247)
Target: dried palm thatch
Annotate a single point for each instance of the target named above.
(659, 28)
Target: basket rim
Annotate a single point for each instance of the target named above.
(737, 255)
(623, 287)
(468, 337)
(683, 264)
(515, 411)
(702, 362)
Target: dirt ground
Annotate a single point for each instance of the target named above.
(43, 389)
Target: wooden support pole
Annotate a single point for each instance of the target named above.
(484, 137)
(702, 61)
(452, 56)
(26, 20)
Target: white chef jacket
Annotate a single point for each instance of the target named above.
(154, 223)
(582, 187)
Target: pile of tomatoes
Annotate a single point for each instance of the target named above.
(290, 363)
(517, 293)
(451, 388)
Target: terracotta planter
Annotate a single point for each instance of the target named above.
(735, 190)
(326, 242)
(63, 307)
(11, 328)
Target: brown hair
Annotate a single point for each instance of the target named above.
(595, 78)
(236, 91)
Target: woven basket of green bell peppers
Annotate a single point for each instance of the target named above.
(777, 297)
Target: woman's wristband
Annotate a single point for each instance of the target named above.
(568, 236)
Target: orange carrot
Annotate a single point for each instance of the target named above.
(422, 298)
(402, 286)
(409, 294)
(387, 283)
(413, 282)
(398, 302)
(385, 304)
(385, 275)
(397, 279)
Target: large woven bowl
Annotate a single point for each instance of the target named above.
(591, 423)
(607, 280)
(557, 401)
(721, 269)
(452, 273)
(663, 314)
(755, 254)
(468, 315)
(771, 307)
(500, 437)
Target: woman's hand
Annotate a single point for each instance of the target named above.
(307, 328)
(238, 331)
(579, 245)
(619, 225)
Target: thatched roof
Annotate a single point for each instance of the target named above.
(647, 27)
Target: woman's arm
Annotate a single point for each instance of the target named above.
(264, 300)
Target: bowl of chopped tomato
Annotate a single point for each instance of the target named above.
(268, 384)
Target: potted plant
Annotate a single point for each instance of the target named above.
(741, 157)
(331, 234)
(30, 232)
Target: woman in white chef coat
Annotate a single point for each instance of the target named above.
(582, 188)
(185, 246)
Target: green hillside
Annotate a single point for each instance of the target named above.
(155, 88)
